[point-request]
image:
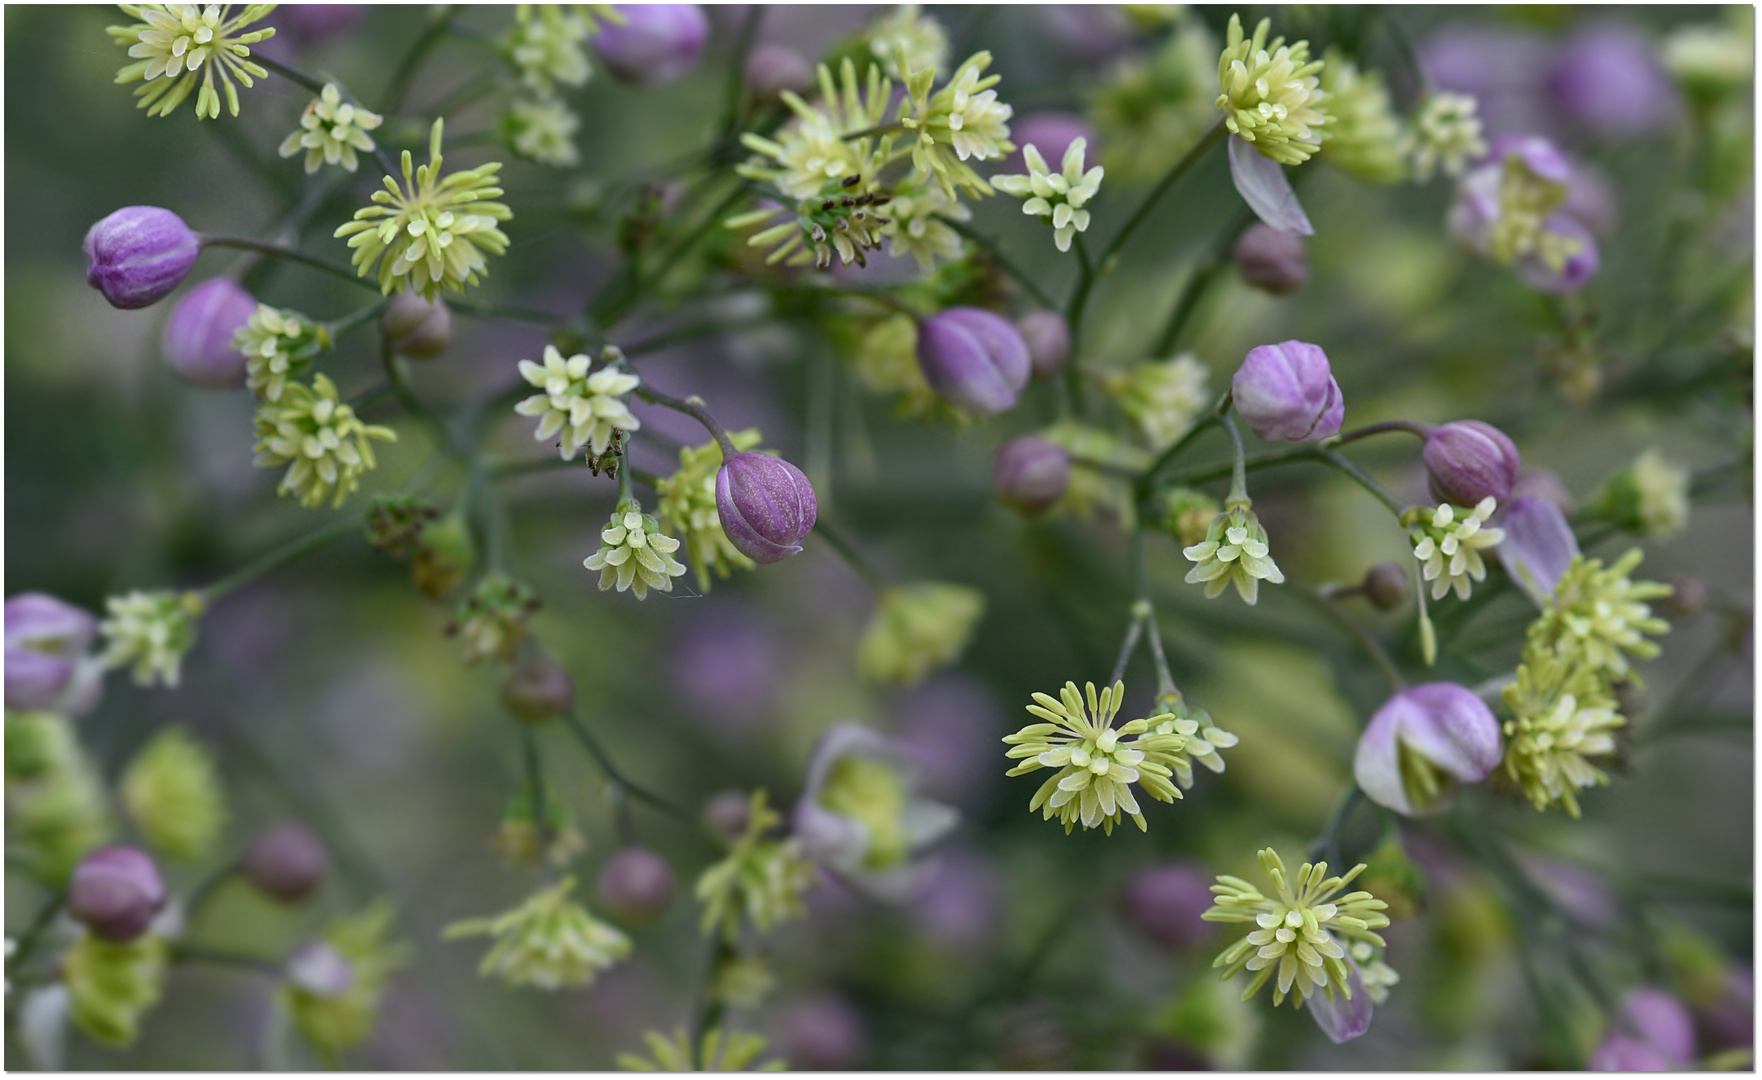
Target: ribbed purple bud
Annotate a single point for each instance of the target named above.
(655, 44)
(1287, 393)
(1538, 545)
(772, 68)
(1385, 586)
(1166, 902)
(116, 891)
(1424, 741)
(48, 665)
(1048, 338)
(823, 1034)
(139, 254)
(418, 328)
(1031, 473)
(537, 689)
(1051, 133)
(1467, 460)
(197, 340)
(635, 885)
(1578, 269)
(766, 506)
(285, 862)
(974, 359)
(1607, 77)
(1342, 1018)
(1271, 260)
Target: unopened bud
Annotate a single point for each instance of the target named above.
(1385, 586)
(286, 863)
(116, 892)
(635, 885)
(417, 328)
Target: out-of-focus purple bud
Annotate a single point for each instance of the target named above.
(1543, 484)
(1286, 392)
(314, 22)
(1051, 133)
(1385, 586)
(1271, 260)
(766, 506)
(418, 328)
(1048, 338)
(197, 340)
(1468, 460)
(636, 885)
(950, 725)
(1578, 269)
(116, 891)
(655, 44)
(1607, 77)
(1422, 743)
(1663, 1022)
(1591, 199)
(1031, 473)
(1342, 1019)
(1538, 545)
(318, 968)
(538, 689)
(1539, 155)
(974, 359)
(823, 1034)
(48, 665)
(1624, 1053)
(1262, 183)
(726, 813)
(285, 863)
(772, 68)
(726, 666)
(1087, 33)
(1166, 902)
(139, 254)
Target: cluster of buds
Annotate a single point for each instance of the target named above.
(493, 620)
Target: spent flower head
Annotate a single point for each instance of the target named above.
(761, 879)
(494, 619)
(717, 1051)
(1365, 136)
(325, 446)
(1563, 716)
(1302, 930)
(278, 345)
(1162, 397)
(177, 46)
(589, 409)
(1445, 134)
(688, 508)
(963, 120)
(1448, 543)
(1234, 551)
(173, 794)
(331, 130)
(1057, 197)
(635, 553)
(1271, 94)
(549, 942)
(339, 1011)
(1600, 614)
(152, 631)
(431, 233)
(916, 629)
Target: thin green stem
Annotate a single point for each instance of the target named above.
(1191, 294)
(535, 781)
(1372, 648)
(1162, 460)
(1363, 479)
(1173, 176)
(280, 251)
(617, 777)
(355, 318)
(283, 555)
(293, 75)
(1238, 462)
(1328, 844)
(849, 554)
(619, 306)
(694, 408)
(1079, 302)
(189, 953)
(991, 248)
(418, 410)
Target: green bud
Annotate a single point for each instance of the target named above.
(444, 555)
(1187, 514)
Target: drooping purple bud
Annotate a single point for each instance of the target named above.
(1607, 77)
(1051, 133)
(766, 506)
(418, 328)
(1271, 260)
(1538, 545)
(1578, 269)
(1663, 1022)
(48, 665)
(1166, 902)
(139, 254)
(116, 891)
(1342, 1019)
(823, 1034)
(285, 862)
(1468, 460)
(974, 359)
(1031, 473)
(197, 340)
(537, 689)
(635, 885)
(1048, 338)
(1422, 743)
(1385, 586)
(1287, 392)
(656, 44)
(772, 68)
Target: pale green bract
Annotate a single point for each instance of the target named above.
(174, 42)
(152, 631)
(549, 942)
(325, 445)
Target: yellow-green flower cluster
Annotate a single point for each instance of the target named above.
(1365, 136)
(918, 225)
(325, 446)
(1271, 94)
(549, 942)
(635, 553)
(1600, 614)
(1447, 133)
(519, 838)
(963, 120)
(431, 233)
(1299, 930)
(173, 794)
(1563, 715)
(1163, 398)
(1448, 543)
(688, 508)
(331, 130)
(1096, 765)
(1234, 551)
(718, 1051)
(815, 147)
(336, 1018)
(1526, 200)
(542, 130)
(277, 345)
(492, 620)
(1649, 497)
(545, 45)
(917, 628)
(587, 409)
(1201, 739)
(173, 42)
(761, 879)
(55, 805)
(907, 40)
(111, 985)
(152, 631)
(1056, 197)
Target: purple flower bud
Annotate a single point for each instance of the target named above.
(635, 885)
(974, 359)
(1287, 392)
(1624, 1053)
(1166, 902)
(766, 506)
(1538, 545)
(1424, 741)
(1663, 1022)
(725, 814)
(116, 891)
(1578, 269)
(418, 328)
(314, 22)
(1537, 154)
(1581, 895)
(197, 340)
(962, 902)
(1051, 133)
(1467, 460)
(537, 689)
(1271, 260)
(1049, 342)
(1031, 473)
(138, 254)
(1607, 78)
(1342, 1019)
(285, 862)
(655, 44)
(772, 68)
(47, 661)
(823, 1034)
(1385, 586)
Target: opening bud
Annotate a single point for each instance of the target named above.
(1423, 742)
